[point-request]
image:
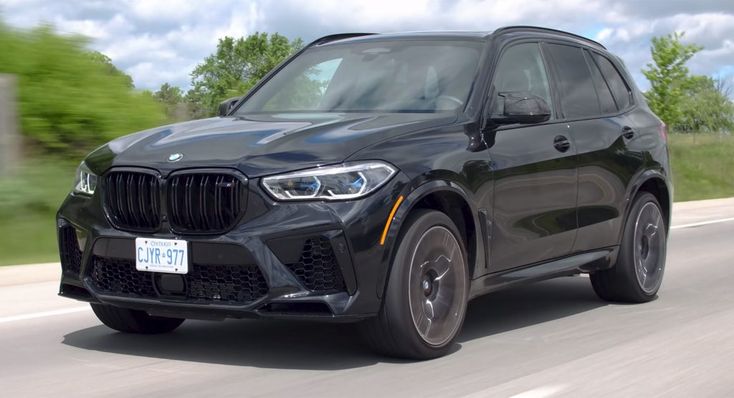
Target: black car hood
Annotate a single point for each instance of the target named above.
(259, 145)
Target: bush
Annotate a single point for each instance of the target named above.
(71, 99)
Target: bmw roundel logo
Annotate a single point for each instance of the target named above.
(175, 157)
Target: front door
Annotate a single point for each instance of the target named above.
(534, 205)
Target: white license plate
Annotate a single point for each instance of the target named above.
(162, 255)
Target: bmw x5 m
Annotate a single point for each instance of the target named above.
(385, 179)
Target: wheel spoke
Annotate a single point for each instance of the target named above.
(442, 266)
(428, 308)
(648, 244)
(437, 291)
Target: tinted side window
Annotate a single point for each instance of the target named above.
(578, 97)
(521, 70)
(620, 89)
(602, 89)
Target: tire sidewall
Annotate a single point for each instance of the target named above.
(396, 302)
(628, 246)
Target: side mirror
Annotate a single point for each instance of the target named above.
(227, 105)
(523, 108)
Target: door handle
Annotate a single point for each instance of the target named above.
(628, 132)
(561, 143)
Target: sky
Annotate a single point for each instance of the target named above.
(157, 41)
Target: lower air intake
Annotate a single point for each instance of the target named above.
(71, 255)
(317, 268)
(206, 284)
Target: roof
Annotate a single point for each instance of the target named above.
(343, 37)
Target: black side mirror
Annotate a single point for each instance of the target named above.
(524, 108)
(226, 106)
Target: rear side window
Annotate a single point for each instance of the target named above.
(578, 96)
(606, 102)
(620, 89)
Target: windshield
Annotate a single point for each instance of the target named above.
(374, 76)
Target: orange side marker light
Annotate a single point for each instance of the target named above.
(389, 219)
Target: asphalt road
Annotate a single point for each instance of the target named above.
(553, 338)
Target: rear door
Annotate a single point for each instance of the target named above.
(599, 131)
(534, 210)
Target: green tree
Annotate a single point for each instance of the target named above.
(172, 97)
(668, 75)
(71, 99)
(236, 66)
(105, 61)
(705, 107)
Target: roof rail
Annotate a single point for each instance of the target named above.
(335, 37)
(547, 30)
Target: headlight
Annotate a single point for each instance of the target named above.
(348, 181)
(86, 181)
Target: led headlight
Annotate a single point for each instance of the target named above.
(348, 181)
(86, 181)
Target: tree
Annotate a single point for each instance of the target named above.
(236, 66)
(71, 99)
(172, 97)
(105, 61)
(668, 75)
(705, 107)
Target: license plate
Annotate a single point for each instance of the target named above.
(162, 255)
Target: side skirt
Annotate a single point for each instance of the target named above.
(575, 264)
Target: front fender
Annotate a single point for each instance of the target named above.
(408, 204)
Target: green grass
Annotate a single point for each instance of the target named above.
(28, 204)
(703, 168)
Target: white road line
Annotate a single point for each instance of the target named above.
(540, 392)
(698, 224)
(43, 314)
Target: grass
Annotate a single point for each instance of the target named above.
(28, 204)
(702, 166)
(702, 169)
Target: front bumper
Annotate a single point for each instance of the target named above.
(310, 260)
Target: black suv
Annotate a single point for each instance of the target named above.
(385, 179)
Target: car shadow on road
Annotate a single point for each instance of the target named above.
(317, 346)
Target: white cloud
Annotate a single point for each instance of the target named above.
(161, 41)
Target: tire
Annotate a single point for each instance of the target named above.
(638, 273)
(424, 304)
(134, 321)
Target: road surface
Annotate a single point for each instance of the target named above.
(549, 339)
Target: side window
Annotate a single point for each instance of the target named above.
(602, 89)
(620, 89)
(521, 70)
(578, 96)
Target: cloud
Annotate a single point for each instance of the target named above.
(161, 41)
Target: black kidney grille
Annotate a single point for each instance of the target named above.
(204, 202)
(133, 200)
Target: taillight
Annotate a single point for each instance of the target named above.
(663, 131)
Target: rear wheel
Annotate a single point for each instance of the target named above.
(638, 273)
(134, 321)
(425, 301)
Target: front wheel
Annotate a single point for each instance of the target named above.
(426, 296)
(638, 273)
